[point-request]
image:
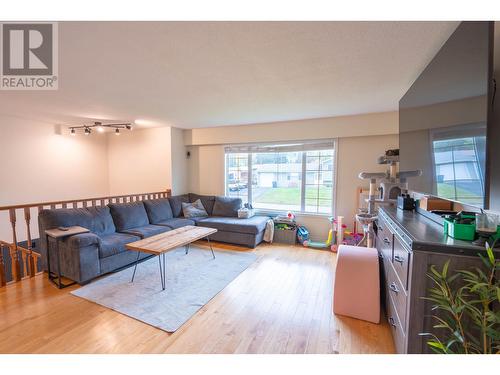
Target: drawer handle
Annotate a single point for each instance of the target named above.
(399, 259)
(386, 241)
(392, 322)
(394, 288)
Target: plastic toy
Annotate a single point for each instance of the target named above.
(352, 238)
(330, 241)
(302, 234)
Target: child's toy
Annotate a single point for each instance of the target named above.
(290, 215)
(352, 238)
(302, 234)
(330, 241)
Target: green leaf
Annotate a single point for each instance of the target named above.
(468, 273)
(445, 269)
(491, 256)
(437, 345)
(435, 272)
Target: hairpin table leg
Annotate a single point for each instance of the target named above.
(162, 270)
(210, 244)
(135, 267)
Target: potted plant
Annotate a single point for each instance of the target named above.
(467, 308)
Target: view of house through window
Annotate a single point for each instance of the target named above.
(283, 177)
(458, 170)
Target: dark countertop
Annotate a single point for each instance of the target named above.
(420, 233)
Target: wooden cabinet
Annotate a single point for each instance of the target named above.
(396, 260)
(408, 244)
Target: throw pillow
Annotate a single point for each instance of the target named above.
(207, 200)
(176, 203)
(194, 209)
(226, 206)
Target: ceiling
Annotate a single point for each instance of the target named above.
(203, 74)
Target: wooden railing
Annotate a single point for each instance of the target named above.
(23, 261)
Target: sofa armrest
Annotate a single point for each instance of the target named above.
(79, 257)
(83, 240)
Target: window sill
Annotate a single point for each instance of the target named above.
(261, 211)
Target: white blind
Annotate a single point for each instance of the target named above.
(291, 146)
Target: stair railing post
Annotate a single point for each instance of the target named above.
(31, 260)
(16, 267)
(3, 279)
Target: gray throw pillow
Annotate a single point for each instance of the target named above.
(194, 209)
(226, 206)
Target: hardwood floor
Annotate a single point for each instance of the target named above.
(281, 304)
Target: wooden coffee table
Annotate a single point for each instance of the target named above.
(164, 242)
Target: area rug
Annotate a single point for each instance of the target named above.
(192, 281)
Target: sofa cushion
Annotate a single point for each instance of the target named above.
(147, 230)
(176, 204)
(158, 210)
(253, 225)
(102, 221)
(194, 209)
(128, 215)
(207, 201)
(177, 223)
(114, 243)
(226, 206)
(96, 219)
(198, 219)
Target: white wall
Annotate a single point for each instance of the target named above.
(179, 161)
(206, 169)
(139, 161)
(38, 163)
(358, 154)
(355, 154)
(42, 162)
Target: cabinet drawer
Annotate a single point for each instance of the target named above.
(401, 261)
(384, 231)
(384, 244)
(397, 294)
(397, 330)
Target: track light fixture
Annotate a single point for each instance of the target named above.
(87, 129)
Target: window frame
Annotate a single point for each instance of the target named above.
(444, 134)
(251, 149)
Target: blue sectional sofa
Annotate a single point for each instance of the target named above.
(86, 256)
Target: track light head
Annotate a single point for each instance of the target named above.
(117, 131)
(128, 126)
(72, 131)
(87, 131)
(99, 126)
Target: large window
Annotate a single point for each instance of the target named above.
(297, 177)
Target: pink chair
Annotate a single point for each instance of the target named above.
(356, 292)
